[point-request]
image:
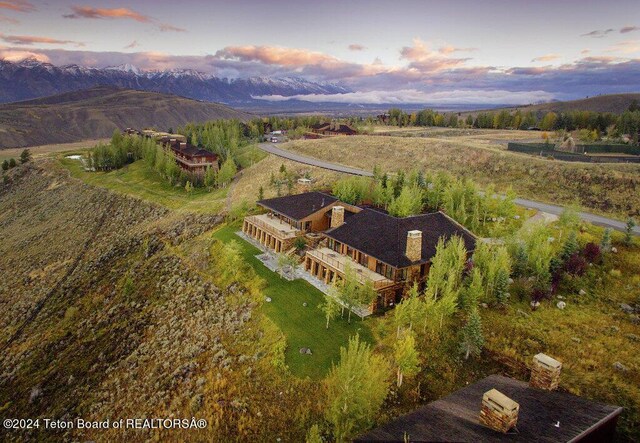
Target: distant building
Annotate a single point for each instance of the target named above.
(500, 409)
(389, 252)
(333, 128)
(190, 158)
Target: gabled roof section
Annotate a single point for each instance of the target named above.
(384, 237)
(544, 416)
(299, 206)
(192, 151)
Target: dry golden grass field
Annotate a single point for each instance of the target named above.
(610, 189)
(248, 185)
(46, 150)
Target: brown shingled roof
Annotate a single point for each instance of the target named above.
(298, 206)
(385, 237)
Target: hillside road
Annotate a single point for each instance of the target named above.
(598, 220)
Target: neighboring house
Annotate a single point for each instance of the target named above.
(333, 128)
(390, 252)
(190, 158)
(500, 409)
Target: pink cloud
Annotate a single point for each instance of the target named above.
(449, 49)
(30, 40)
(104, 13)
(356, 47)
(273, 55)
(625, 47)
(546, 58)
(12, 55)
(132, 45)
(17, 5)
(165, 27)
(627, 29)
(4, 18)
(423, 59)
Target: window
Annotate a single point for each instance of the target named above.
(402, 274)
(331, 242)
(388, 272)
(363, 259)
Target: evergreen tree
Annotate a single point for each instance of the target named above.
(355, 389)
(628, 231)
(570, 246)
(314, 436)
(605, 243)
(502, 287)
(261, 193)
(472, 339)
(406, 357)
(5, 165)
(25, 156)
(12, 163)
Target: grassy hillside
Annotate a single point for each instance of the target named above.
(103, 314)
(602, 188)
(96, 112)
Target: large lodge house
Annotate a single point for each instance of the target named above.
(190, 158)
(390, 252)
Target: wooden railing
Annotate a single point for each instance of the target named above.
(337, 265)
(280, 233)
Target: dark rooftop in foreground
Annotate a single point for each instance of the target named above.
(298, 206)
(545, 416)
(385, 237)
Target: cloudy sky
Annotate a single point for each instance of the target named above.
(405, 51)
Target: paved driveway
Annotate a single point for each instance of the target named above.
(551, 209)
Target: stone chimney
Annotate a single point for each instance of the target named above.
(183, 145)
(414, 245)
(337, 216)
(498, 411)
(545, 372)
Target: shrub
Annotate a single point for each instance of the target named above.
(575, 265)
(540, 293)
(592, 252)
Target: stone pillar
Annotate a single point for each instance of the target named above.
(414, 245)
(337, 216)
(545, 372)
(498, 411)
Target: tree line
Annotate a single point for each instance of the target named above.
(613, 125)
(406, 194)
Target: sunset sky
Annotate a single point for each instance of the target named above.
(384, 51)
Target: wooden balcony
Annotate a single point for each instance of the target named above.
(338, 263)
(274, 226)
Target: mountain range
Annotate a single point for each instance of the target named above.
(31, 79)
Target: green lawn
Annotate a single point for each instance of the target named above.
(303, 326)
(138, 180)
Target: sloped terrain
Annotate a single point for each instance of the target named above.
(614, 103)
(95, 113)
(102, 318)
